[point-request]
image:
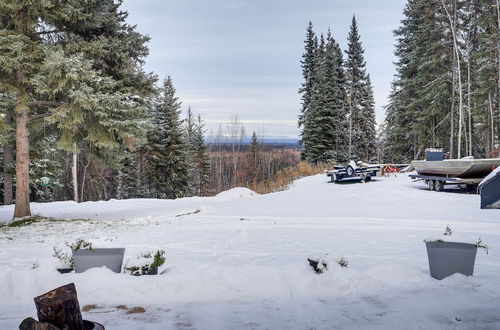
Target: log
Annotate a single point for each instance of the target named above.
(60, 307)
(32, 324)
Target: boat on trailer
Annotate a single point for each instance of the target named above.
(459, 168)
(438, 172)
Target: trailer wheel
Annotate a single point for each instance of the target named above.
(431, 184)
(439, 185)
(350, 171)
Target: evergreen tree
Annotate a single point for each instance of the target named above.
(334, 121)
(201, 160)
(446, 73)
(358, 90)
(76, 65)
(128, 182)
(254, 160)
(312, 134)
(169, 165)
(307, 64)
(369, 123)
(325, 122)
(190, 134)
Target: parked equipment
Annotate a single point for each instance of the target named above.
(352, 173)
(438, 172)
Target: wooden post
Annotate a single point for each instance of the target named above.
(60, 307)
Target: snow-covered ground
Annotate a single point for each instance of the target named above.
(239, 260)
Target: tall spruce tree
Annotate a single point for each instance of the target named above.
(358, 89)
(312, 133)
(169, 166)
(201, 160)
(189, 136)
(324, 126)
(335, 120)
(307, 64)
(76, 65)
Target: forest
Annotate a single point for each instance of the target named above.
(446, 91)
(82, 120)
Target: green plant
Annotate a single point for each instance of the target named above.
(343, 262)
(65, 255)
(480, 245)
(146, 263)
(80, 244)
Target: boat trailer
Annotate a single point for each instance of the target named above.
(437, 183)
(352, 173)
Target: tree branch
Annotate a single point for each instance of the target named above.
(41, 115)
(45, 104)
(49, 32)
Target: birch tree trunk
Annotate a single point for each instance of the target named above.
(74, 172)
(459, 78)
(469, 108)
(492, 126)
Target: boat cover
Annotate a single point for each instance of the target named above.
(489, 189)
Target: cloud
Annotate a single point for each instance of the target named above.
(242, 57)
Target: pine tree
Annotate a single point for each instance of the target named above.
(426, 107)
(312, 134)
(190, 134)
(201, 160)
(358, 91)
(324, 126)
(307, 64)
(169, 159)
(334, 121)
(369, 132)
(254, 160)
(76, 65)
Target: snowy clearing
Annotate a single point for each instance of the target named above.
(239, 260)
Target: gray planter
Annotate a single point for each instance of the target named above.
(111, 258)
(448, 258)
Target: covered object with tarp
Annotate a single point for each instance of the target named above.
(489, 189)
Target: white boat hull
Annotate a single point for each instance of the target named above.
(461, 168)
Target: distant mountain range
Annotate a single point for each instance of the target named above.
(263, 140)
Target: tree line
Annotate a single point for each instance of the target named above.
(337, 117)
(80, 118)
(446, 91)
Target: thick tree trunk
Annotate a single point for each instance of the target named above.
(22, 208)
(60, 307)
(8, 160)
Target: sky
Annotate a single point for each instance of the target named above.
(241, 58)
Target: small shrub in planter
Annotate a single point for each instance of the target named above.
(146, 263)
(320, 265)
(450, 254)
(63, 252)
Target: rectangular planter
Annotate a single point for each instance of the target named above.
(448, 258)
(86, 259)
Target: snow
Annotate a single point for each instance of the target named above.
(490, 176)
(454, 238)
(239, 259)
(235, 193)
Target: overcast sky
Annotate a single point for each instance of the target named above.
(241, 57)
